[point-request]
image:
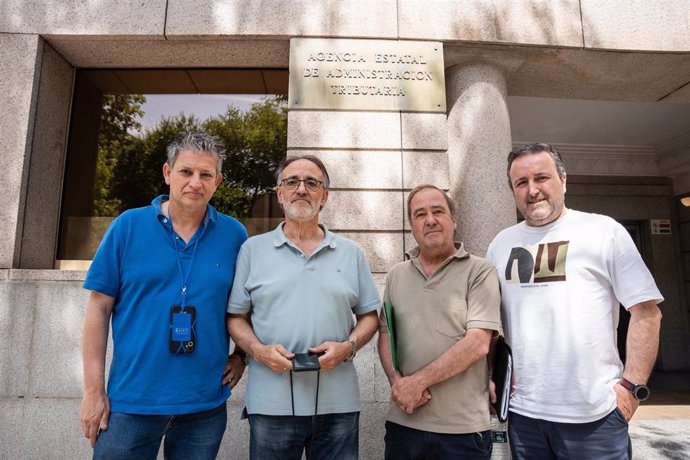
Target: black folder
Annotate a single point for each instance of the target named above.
(502, 373)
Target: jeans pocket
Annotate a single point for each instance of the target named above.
(619, 414)
(483, 442)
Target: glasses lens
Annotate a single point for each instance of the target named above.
(291, 184)
(311, 184)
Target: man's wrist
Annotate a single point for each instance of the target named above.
(353, 350)
(94, 392)
(239, 352)
(94, 386)
(254, 348)
(639, 391)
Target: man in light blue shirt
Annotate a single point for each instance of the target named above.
(295, 291)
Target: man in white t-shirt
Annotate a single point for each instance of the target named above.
(563, 274)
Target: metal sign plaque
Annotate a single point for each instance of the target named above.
(345, 74)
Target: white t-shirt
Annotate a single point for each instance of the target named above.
(561, 285)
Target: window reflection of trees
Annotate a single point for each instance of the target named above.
(128, 172)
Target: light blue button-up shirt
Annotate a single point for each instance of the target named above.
(301, 301)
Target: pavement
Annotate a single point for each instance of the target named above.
(660, 429)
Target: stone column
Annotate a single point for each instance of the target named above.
(19, 64)
(478, 145)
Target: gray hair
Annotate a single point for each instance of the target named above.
(198, 142)
(538, 147)
(284, 164)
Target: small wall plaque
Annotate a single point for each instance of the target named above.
(661, 227)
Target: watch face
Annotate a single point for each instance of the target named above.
(641, 393)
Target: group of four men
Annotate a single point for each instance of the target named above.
(171, 276)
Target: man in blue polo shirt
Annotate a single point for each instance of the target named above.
(295, 291)
(163, 275)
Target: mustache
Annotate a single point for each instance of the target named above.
(300, 198)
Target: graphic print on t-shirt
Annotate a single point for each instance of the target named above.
(541, 263)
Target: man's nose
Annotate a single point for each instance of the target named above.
(196, 180)
(301, 187)
(430, 219)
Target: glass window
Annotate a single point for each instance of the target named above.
(117, 147)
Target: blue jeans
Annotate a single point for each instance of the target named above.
(603, 439)
(403, 443)
(284, 437)
(131, 436)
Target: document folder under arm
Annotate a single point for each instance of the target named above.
(502, 375)
(389, 311)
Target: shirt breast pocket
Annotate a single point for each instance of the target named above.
(451, 316)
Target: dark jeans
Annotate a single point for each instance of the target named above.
(403, 443)
(603, 439)
(131, 436)
(322, 437)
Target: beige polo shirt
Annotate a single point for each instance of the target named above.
(431, 315)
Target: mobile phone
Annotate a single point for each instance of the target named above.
(305, 362)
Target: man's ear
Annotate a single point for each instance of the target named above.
(166, 173)
(324, 199)
(219, 179)
(564, 177)
(279, 194)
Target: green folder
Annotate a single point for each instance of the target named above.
(389, 310)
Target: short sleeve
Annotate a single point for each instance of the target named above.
(240, 301)
(368, 299)
(484, 299)
(630, 278)
(104, 273)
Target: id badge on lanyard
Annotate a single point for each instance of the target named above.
(182, 324)
(182, 329)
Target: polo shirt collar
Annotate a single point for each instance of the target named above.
(280, 239)
(460, 252)
(211, 212)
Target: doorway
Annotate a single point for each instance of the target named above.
(635, 231)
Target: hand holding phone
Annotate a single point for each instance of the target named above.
(305, 362)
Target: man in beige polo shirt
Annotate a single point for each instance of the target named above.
(446, 306)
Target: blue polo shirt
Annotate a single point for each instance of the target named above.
(300, 302)
(137, 264)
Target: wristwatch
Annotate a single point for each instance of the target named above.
(354, 350)
(640, 392)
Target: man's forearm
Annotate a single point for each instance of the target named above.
(458, 358)
(94, 342)
(240, 329)
(642, 344)
(384, 347)
(365, 328)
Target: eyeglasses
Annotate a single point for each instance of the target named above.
(292, 183)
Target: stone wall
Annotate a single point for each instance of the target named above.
(589, 49)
